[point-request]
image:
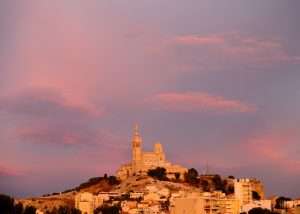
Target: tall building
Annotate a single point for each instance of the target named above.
(142, 161)
(87, 202)
(208, 203)
(244, 188)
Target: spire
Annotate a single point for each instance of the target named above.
(136, 130)
(136, 139)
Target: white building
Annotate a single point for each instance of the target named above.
(87, 202)
(292, 203)
(264, 204)
(136, 195)
(244, 188)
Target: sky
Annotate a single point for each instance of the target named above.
(216, 82)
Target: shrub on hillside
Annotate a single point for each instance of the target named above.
(280, 202)
(191, 176)
(205, 185)
(29, 210)
(255, 195)
(177, 176)
(259, 210)
(64, 210)
(68, 210)
(111, 180)
(219, 183)
(107, 210)
(158, 173)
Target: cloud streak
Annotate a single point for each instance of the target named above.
(44, 102)
(9, 171)
(198, 102)
(227, 51)
(45, 116)
(195, 40)
(275, 148)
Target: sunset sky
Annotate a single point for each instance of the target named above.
(216, 82)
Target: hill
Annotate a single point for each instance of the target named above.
(132, 184)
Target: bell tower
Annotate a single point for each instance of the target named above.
(158, 150)
(136, 149)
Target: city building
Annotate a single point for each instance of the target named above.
(142, 161)
(39, 212)
(87, 202)
(206, 203)
(245, 187)
(292, 203)
(296, 210)
(264, 204)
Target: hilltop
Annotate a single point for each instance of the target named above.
(137, 183)
(67, 197)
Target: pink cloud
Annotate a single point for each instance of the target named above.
(49, 132)
(200, 40)
(10, 171)
(198, 101)
(275, 148)
(35, 100)
(219, 51)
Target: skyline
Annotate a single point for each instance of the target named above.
(214, 82)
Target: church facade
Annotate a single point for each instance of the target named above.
(142, 161)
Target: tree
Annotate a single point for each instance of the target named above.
(230, 189)
(259, 210)
(105, 176)
(112, 180)
(158, 173)
(19, 208)
(54, 211)
(255, 195)
(66, 210)
(205, 185)
(280, 202)
(177, 176)
(75, 211)
(107, 210)
(192, 176)
(29, 210)
(219, 184)
(165, 205)
(6, 204)
(62, 210)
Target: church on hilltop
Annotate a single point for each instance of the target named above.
(143, 161)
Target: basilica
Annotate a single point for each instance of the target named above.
(142, 161)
